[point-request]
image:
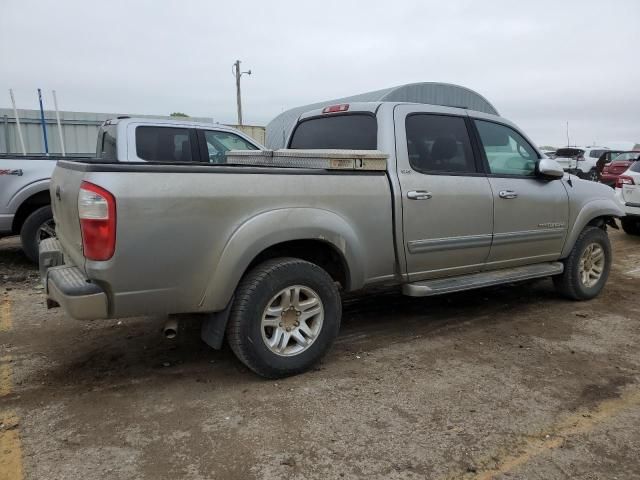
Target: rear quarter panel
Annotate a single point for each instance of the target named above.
(184, 239)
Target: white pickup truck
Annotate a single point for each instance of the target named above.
(25, 203)
(263, 246)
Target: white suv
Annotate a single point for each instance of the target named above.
(580, 161)
(628, 194)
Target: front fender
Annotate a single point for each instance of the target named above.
(602, 207)
(271, 228)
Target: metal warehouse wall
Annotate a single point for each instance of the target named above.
(79, 129)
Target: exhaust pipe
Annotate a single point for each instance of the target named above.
(170, 329)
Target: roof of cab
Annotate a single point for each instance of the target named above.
(169, 122)
(433, 93)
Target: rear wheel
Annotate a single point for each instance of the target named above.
(631, 225)
(586, 269)
(38, 226)
(285, 316)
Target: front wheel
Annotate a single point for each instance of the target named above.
(587, 267)
(630, 225)
(593, 175)
(285, 317)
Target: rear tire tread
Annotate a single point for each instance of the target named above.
(244, 300)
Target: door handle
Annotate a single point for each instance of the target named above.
(418, 195)
(508, 194)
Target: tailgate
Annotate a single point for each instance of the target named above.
(65, 185)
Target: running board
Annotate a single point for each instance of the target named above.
(483, 279)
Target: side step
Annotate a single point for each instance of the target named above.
(439, 286)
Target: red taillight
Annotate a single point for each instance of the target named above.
(624, 180)
(97, 212)
(605, 169)
(580, 158)
(336, 108)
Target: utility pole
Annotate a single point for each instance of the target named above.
(238, 73)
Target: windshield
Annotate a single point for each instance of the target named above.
(628, 156)
(351, 131)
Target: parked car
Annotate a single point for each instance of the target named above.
(463, 200)
(580, 161)
(628, 194)
(549, 153)
(25, 203)
(618, 166)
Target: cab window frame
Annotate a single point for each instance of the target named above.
(483, 154)
(475, 154)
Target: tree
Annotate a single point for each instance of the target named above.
(179, 114)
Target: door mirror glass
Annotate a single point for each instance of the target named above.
(549, 168)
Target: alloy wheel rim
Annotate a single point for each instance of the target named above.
(292, 320)
(592, 264)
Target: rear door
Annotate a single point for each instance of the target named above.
(447, 204)
(530, 214)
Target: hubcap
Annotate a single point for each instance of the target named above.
(292, 320)
(46, 230)
(591, 265)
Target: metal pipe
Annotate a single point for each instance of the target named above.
(6, 134)
(44, 126)
(170, 329)
(15, 113)
(55, 104)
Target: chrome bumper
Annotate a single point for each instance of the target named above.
(67, 285)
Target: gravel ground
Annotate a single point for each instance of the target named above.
(508, 382)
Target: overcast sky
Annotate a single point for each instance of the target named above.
(540, 63)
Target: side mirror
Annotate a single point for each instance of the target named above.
(549, 168)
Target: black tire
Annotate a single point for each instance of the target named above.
(630, 225)
(256, 289)
(31, 232)
(593, 175)
(569, 283)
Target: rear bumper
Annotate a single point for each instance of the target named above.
(68, 286)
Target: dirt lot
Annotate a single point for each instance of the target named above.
(509, 382)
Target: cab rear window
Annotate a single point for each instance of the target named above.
(107, 144)
(352, 131)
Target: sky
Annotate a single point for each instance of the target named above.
(540, 63)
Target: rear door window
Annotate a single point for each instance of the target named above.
(439, 144)
(164, 144)
(353, 131)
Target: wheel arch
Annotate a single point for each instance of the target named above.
(319, 236)
(599, 213)
(28, 203)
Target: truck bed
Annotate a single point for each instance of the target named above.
(187, 232)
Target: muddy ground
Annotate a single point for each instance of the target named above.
(509, 382)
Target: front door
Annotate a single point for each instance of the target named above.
(530, 214)
(447, 204)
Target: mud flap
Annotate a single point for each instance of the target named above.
(213, 327)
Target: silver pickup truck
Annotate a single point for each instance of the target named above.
(24, 180)
(24, 199)
(263, 250)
